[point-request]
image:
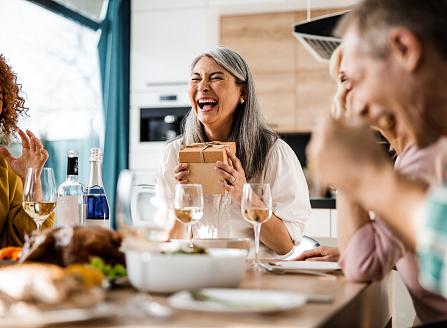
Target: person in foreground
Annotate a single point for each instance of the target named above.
(225, 108)
(396, 58)
(14, 222)
(369, 249)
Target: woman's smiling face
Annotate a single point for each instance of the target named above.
(214, 94)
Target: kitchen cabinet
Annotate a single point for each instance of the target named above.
(164, 41)
(293, 88)
(321, 224)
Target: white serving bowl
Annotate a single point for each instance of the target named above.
(151, 271)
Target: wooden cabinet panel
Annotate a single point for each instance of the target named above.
(314, 87)
(294, 89)
(264, 42)
(314, 90)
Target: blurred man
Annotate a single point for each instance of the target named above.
(396, 58)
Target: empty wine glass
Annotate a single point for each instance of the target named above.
(256, 207)
(188, 205)
(39, 194)
(140, 215)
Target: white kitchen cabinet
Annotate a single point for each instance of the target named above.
(164, 42)
(321, 224)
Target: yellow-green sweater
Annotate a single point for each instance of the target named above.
(14, 222)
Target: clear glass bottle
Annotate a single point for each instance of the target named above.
(97, 212)
(70, 209)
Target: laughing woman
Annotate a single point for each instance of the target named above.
(225, 108)
(14, 222)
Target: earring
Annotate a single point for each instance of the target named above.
(242, 101)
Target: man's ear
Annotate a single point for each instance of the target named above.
(405, 48)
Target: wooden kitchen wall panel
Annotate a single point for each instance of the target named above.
(294, 89)
(263, 40)
(275, 95)
(314, 91)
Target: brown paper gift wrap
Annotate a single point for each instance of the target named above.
(201, 159)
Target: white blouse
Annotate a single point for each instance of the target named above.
(222, 216)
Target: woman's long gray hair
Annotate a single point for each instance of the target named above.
(253, 137)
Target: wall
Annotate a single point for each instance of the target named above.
(293, 88)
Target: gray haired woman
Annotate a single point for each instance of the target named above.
(225, 108)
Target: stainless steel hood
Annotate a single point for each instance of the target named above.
(317, 36)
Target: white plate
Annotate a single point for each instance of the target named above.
(42, 318)
(238, 301)
(305, 265)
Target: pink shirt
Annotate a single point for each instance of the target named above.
(373, 250)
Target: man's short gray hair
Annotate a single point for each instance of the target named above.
(426, 19)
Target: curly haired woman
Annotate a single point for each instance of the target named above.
(14, 222)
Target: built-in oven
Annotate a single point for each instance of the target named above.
(161, 123)
(156, 117)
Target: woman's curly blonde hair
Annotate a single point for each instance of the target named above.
(13, 102)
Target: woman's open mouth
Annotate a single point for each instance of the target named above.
(207, 104)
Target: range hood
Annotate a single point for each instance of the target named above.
(317, 36)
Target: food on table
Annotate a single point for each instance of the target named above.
(73, 244)
(88, 275)
(44, 283)
(10, 253)
(187, 250)
(111, 271)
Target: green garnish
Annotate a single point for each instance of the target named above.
(111, 272)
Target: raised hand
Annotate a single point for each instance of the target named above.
(346, 155)
(33, 154)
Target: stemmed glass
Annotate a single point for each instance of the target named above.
(39, 194)
(256, 207)
(188, 205)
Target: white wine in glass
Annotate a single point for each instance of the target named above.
(256, 207)
(39, 194)
(188, 205)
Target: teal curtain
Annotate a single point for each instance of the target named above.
(114, 53)
(114, 62)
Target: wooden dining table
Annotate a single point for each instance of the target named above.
(352, 305)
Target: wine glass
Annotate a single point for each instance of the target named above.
(188, 205)
(39, 194)
(256, 207)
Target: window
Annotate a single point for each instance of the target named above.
(56, 61)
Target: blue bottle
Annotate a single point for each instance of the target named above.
(97, 212)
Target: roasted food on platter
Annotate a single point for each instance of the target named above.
(10, 253)
(48, 286)
(73, 244)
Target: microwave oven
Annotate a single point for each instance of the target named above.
(161, 123)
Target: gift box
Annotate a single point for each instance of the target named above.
(201, 159)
